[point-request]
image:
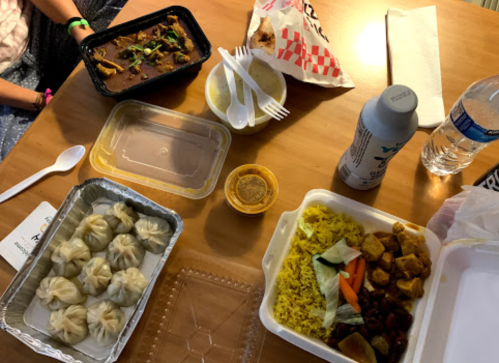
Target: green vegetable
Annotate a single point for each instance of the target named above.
(348, 315)
(306, 228)
(138, 47)
(323, 273)
(172, 36)
(147, 51)
(332, 296)
(331, 255)
(138, 61)
(155, 48)
(346, 253)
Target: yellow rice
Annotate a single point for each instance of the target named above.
(297, 287)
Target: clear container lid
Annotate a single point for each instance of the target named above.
(161, 148)
(201, 317)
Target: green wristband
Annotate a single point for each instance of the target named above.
(75, 23)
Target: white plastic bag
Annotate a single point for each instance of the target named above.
(302, 50)
(473, 213)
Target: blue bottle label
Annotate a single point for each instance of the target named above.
(465, 124)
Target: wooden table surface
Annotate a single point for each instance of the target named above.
(302, 151)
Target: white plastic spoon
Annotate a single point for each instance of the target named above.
(66, 161)
(237, 113)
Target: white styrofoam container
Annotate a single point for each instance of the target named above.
(461, 322)
(373, 220)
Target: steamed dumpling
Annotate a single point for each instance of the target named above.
(70, 257)
(124, 252)
(96, 275)
(121, 217)
(126, 287)
(95, 232)
(105, 321)
(69, 325)
(153, 233)
(57, 292)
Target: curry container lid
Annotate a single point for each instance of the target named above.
(161, 148)
(456, 319)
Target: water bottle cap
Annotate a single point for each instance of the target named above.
(397, 105)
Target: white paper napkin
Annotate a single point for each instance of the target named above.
(415, 59)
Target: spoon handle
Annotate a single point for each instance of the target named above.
(24, 184)
(231, 81)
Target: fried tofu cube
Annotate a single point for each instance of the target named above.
(398, 227)
(372, 248)
(380, 277)
(389, 240)
(386, 261)
(411, 288)
(408, 243)
(409, 265)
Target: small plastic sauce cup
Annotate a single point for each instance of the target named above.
(251, 189)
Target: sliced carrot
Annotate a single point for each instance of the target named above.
(359, 274)
(349, 294)
(350, 268)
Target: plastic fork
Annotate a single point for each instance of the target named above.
(266, 103)
(244, 58)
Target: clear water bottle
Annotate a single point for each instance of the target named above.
(472, 124)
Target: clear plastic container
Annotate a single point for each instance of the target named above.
(161, 148)
(251, 189)
(201, 316)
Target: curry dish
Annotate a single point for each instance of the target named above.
(129, 60)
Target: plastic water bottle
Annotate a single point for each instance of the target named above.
(385, 125)
(472, 124)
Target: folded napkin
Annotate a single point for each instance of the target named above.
(415, 59)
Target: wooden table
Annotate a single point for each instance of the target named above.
(302, 151)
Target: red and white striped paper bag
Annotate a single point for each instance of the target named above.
(301, 49)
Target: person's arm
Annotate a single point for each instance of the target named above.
(60, 11)
(16, 96)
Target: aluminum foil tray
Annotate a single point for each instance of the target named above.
(20, 293)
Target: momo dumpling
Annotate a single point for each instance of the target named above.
(121, 217)
(96, 275)
(70, 257)
(58, 292)
(105, 321)
(69, 325)
(95, 232)
(153, 233)
(124, 252)
(126, 287)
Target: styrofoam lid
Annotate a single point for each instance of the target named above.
(461, 319)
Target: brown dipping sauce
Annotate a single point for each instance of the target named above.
(126, 79)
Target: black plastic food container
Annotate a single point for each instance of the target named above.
(134, 26)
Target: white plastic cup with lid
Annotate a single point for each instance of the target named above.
(385, 125)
